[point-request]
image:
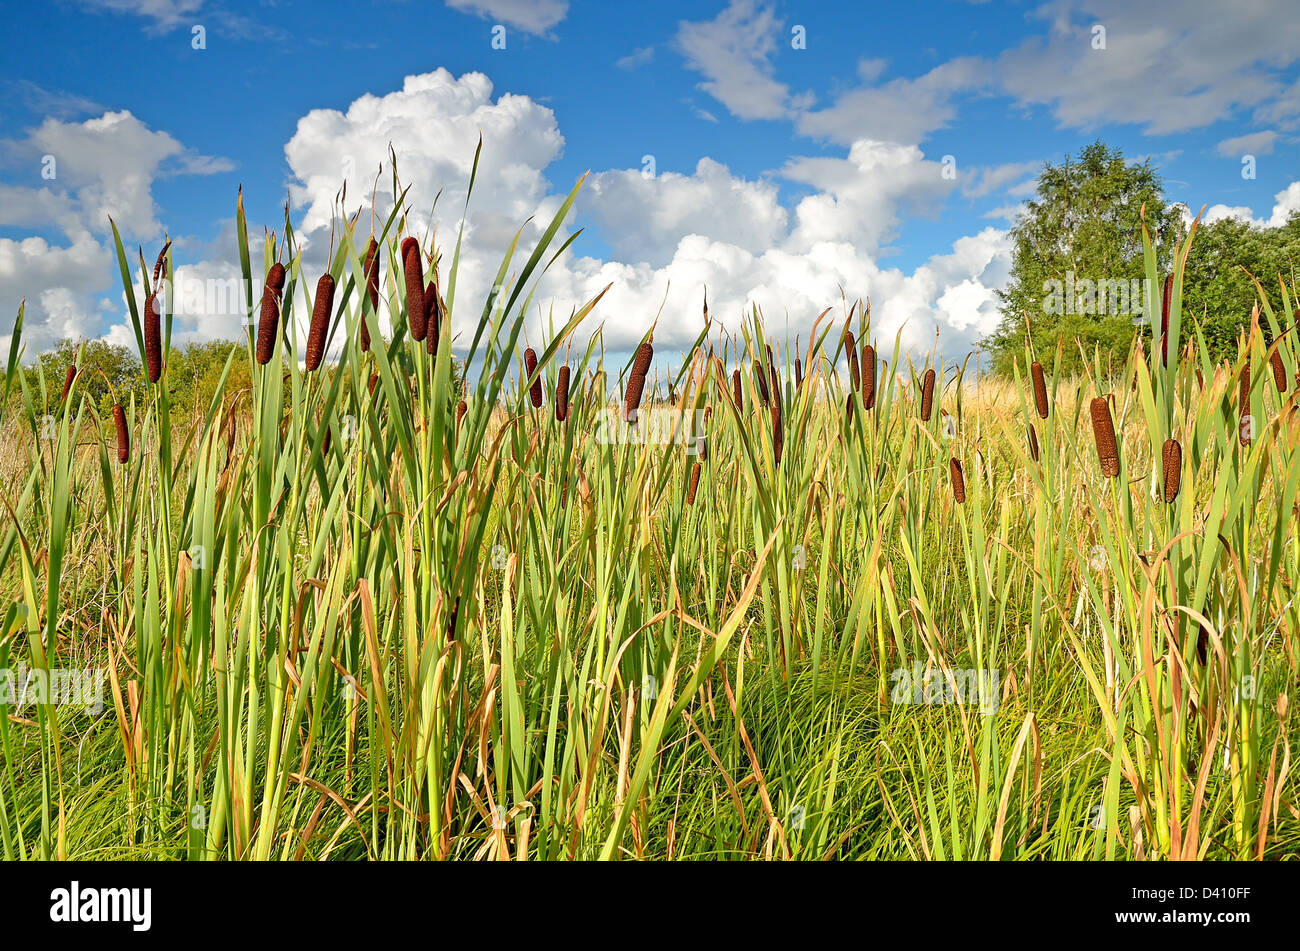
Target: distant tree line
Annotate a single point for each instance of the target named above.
(1078, 275)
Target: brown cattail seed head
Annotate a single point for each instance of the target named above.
(694, 484)
(1243, 388)
(67, 381)
(737, 393)
(374, 381)
(636, 381)
(269, 325)
(778, 429)
(868, 376)
(123, 434)
(433, 318)
(320, 321)
(152, 338)
(927, 396)
(1279, 370)
(413, 271)
(1033, 443)
(1173, 466)
(760, 378)
(798, 374)
(851, 346)
(153, 322)
(1040, 389)
(461, 409)
(371, 268)
(1103, 433)
(958, 481)
(562, 395)
(535, 389)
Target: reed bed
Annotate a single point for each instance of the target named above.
(368, 610)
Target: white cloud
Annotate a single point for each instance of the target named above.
(644, 218)
(1253, 143)
(733, 52)
(531, 16)
(636, 58)
(709, 228)
(1285, 202)
(984, 181)
(901, 110)
(676, 233)
(102, 166)
(1168, 65)
(860, 198)
(166, 14)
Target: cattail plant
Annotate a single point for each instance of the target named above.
(1103, 434)
(1279, 370)
(535, 388)
(371, 268)
(798, 374)
(636, 381)
(562, 395)
(1040, 389)
(760, 379)
(868, 376)
(927, 395)
(1173, 468)
(1033, 443)
(432, 318)
(269, 325)
(413, 272)
(1164, 320)
(153, 322)
(958, 481)
(694, 484)
(320, 321)
(67, 381)
(778, 430)
(123, 434)
(461, 409)
(1244, 427)
(851, 347)
(737, 392)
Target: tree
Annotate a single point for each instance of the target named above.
(1077, 273)
(1218, 294)
(105, 371)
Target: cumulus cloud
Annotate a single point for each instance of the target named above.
(102, 167)
(669, 236)
(1285, 203)
(673, 234)
(645, 217)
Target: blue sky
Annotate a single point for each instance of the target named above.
(780, 173)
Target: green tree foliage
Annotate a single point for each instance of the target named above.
(1077, 255)
(106, 371)
(1218, 294)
